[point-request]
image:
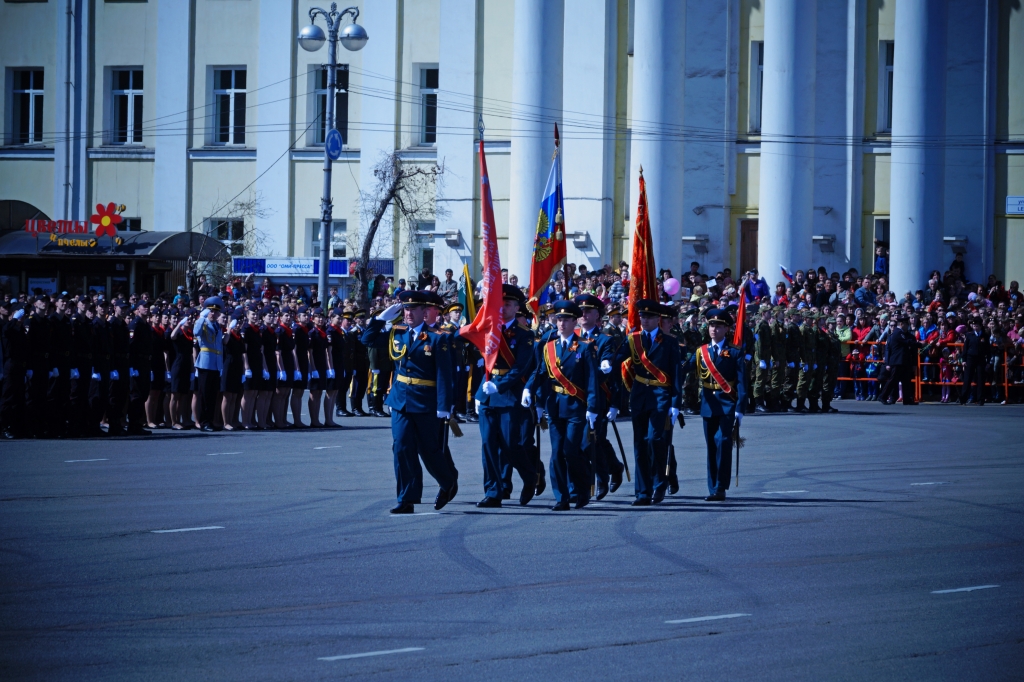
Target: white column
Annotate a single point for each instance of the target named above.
(588, 145)
(457, 107)
(918, 136)
(659, 43)
(70, 198)
(787, 136)
(170, 164)
(277, 46)
(537, 106)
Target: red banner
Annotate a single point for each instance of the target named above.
(643, 280)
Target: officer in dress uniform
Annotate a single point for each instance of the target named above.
(120, 340)
(420, 396)
(566, 385)
(15, 363)
(360, 364)
(720, 369)
(503, 420)
(81, 371)
(210, 337)
(40, 366)
(651, 375)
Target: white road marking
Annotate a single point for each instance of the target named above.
(782, 492)
(965, 589)
(932, 483)
(704, 618)
(433, 513)
(372, 653)
(217, 454)
(102, 459)
(327, 447)
(186, 530)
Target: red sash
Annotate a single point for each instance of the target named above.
(286, 330)
(637, 347)
(551, 358)
(506, 351)
(627, 373)
(705, 357)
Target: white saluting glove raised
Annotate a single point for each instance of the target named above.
(606, 367)
(592, 418)
(613, 413)
(390, 313)
(18, 314)
(527, 400)
(490, 388)
(297, 376)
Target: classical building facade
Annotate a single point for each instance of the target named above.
(770, 132)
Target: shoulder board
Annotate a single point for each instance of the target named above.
(523, 326)
(671, 336)
(399, 328)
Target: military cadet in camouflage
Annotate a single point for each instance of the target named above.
(777, 400)
(794, 344)
(808, 362)
(762, 364)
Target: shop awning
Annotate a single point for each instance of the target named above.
(148, 245)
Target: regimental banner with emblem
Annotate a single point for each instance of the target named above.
(549, 241)
(643, 282)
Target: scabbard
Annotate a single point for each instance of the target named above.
(455, 429)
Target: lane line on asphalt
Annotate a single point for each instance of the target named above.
(372, 653)
(433, 513)
(186, 530)
(327, 447)
(101, 459)
(704, 618)
(932, 483)
(782, 492)
(965, 589)
(218, 454)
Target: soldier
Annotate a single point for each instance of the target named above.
(600, 455)
(503, 420)
(421, 395)
(794, 345)
(723, 388)
(808, 361)
(102, 366)
(40, 366)
(59, 386)
(300, 331)
(337, 342)
(210, 362)
(120, 370)
(140, 359)
(81, 371)
(381, 367)
(833, 356)
(360, 364)
(762, 358)
(453, 315)
(287, 368)
(566, 385)
(651, 376)
(820, 355)
(693, 338)
(671, 332)
(778, 401)
(15, 363)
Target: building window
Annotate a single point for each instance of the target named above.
(127, 106)
(229, 98)
(428, 106)
(756, 84)
(340, 103)
(885, 62)
(27, 98)
(425, 245)
(131, 224)
(339, 237)
(230, 231)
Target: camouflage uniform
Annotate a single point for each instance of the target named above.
(762, 361)
(833, 357)
(776, 399)
(794, 344)
(808, 362)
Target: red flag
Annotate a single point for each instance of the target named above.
(549, 240)
(741, 317)
(484, 331)
(643, 282)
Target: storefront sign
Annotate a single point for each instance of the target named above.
(1014, 205)
(46, 285)
(57, 227)
(289, 266)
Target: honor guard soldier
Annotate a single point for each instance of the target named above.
(40, 365)
(420, 396)
(566, 385)
(140, 358)
(59, 388)
(503, 420)
(360, 364)
(81, 370)
(102, 366)
(777, 402)
(650, 367)
(210, 363)
(15, 363)
(794, 349)
(120, 339)
(453, 315)
(720, 369)
(808, 362)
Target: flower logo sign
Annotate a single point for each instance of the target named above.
(106, 219)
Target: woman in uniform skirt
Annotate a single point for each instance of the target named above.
(270, 368)
(234, 368)
(336, 342)
(319, 363)
(169, 354)
(252, 377)
(300, 331)
(182, 372)
(286, 366)
(157, 363)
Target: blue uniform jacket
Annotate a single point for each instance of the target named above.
(423, 357)
(604, 349)
(578, 363)
(714, 402)
(209, 336)
(665, 356)
(510, 383)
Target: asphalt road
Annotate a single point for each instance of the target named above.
(833, 559)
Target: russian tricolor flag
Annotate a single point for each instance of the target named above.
(785, 274)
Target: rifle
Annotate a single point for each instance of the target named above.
(621, 451)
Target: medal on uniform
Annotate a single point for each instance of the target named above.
(426, 349)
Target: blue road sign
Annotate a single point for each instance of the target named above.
(333, 144)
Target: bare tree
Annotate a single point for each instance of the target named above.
(255, 242)
(410, 191)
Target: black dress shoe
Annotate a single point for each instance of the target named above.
(673, 485)
(641, 502)
(489, 503)
(526, 495)
(359, 412)
(455, 488)
(7, 434)
(580, 504)
(658, 498)
(542, 484)
(441, 500)
(506, 494)
(760, 408)
(715, 497)
(207, 429)
(602, 490)
(403, 508)
(561, 506)
(615, 483)
(472, 418)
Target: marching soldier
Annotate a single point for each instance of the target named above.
(81, 370)
(650, 371)
(39, 367)
(820, 360)
(808, 362)
(794, 346)
(140, 358)
(59, 386)
(421, 395)
(778, 330)
(360, 364)
(762, 359)
(720, 369)
(120, 341)
(15, 363)
(599, 454)
(102, 366)
(833, 356)
(350, 344)
(566, 385)
(453, 313)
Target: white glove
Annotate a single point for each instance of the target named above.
(490, 388)
(747, 357)
(282, 376)
(443, 415)
(477, 403)
(790, 364)
(613, 413)
(18, 314)
(28, 374)
(74, 373)
(480, 362)
(232, 324)
(330, 374)
(54, 373)
(314, 374)
(167, 376)
(527, 400)
(266, 375)
(673, 414)
(390, 313)
(248, 374)
(739, 417)
(297, 376)
(197, 374)
(803, 367)
(205, 314)
(467, 368)
(592, 418)
(96, 376)
(762, 364)
(540, 413)
(114, 376)
(606, 367)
